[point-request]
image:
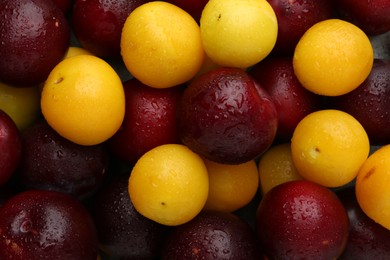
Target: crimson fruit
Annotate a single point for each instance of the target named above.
(212, 235)
(10, 147)
(51, 162)
(292, 101)
(35, 36)
(38, 225)
(302, 220)
(370, 16)
(193, 7)
(370, 103)
(151, 119)
(227, 117)
(123, 232)
(97, 24)
(367, 239)
(294, 18)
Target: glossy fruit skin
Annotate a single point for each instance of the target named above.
(151, 119)
(98, 24)
(35, 36)
(294, 18)
(367, 239)
(302, 220)
(370, 103)
(46, 225)
(292, 101)
(227, 117)
(51, 162)
(371, 16)
(10, 147)
(212, 235)
(123, 232)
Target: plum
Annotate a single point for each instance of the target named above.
(35, 36)
(151, 119)
(371, 16)
(97, 24)
(10, 147)
(294, 18)
(38, 225)
(227, 117)
(292, 100)
(52, 162)
(64, 5)
(123, 232)
(367, 239)
(369, 103)
(302, 220)
(212, 235)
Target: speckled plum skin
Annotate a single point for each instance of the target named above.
(367, 239)
(302, 220)
(39, 225)
(370, 103)
(123, 232)
(212, 235)
(35, 36)
(227, 117)
(51, 162)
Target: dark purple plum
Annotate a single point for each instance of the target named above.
(370, 103)
(294, 18)
(372, 16)
(98, 24)
(292, 101)
(227, 117)
(35, 36)
(123, 232)
(367, 239)
(10, 147)
(151, 119)
(38, 225)
(212, 235)
(302, 220)
(51, 162)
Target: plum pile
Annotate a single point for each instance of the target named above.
(61, 200)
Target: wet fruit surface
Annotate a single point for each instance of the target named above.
(34, 37)
(227, 117)
(52, 162)
(301, 219)
(46, 225)
(212, 235)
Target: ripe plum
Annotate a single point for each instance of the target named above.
(97, 24)
(151, 119)
(227, 117)
(292, 101)
(367, 239)
(52, 162)
(38, 225)
(10, 147)
(295, 17)
(35, 36)
(370, 103)
(212, 235)
(302, 220)
(371, 16)
(122, 231)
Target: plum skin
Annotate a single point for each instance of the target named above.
(302, 220)
(35, 36)
(38, 224)
(227, 117)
